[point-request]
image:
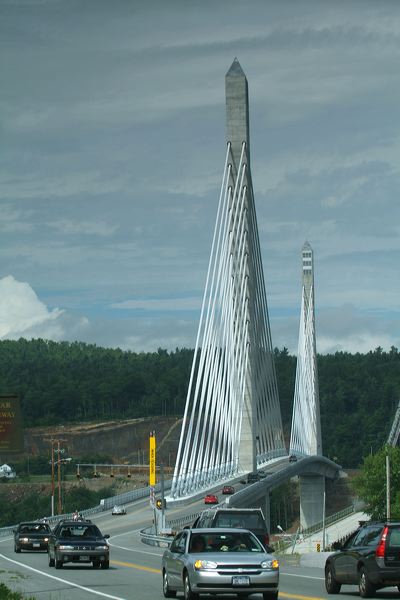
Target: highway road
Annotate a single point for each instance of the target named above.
(134, 572)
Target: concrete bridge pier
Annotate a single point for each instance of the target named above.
(312, 497)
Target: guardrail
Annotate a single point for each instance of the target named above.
(150, 537)
(187, 520)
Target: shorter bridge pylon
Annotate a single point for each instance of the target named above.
(305, 439)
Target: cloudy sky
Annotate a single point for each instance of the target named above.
(112, 145)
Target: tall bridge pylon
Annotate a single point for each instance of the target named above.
(232, 420)
(305, 439)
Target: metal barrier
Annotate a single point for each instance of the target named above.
(150, 537)
(180, 523)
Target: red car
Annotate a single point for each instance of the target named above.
(228, 489)
(211, 499)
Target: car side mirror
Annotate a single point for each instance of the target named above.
(269, 549)
(106, 537)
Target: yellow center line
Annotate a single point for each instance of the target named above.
(298, 596)
(134, 566)
(158, 571)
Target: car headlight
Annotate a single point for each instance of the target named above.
(25, 540)
(270, 564)
(204, 564)
(46, 539)
(62, 547)
(101, 547)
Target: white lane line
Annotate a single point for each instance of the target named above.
(131, 549)
(130, 532)
(303, 576)
(138, 551)
(76, 585)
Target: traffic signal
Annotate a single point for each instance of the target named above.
(161, 504)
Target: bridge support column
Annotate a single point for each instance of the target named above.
(312, 488)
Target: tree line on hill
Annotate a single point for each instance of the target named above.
(60, 382)
(30, 504)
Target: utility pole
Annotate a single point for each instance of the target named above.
(162, 498)
(52, 478)
(323, 524)
(387, 488)
(58, 451)
(59, 507)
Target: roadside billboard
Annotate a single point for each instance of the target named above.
(11, 436)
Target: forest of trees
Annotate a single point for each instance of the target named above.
(68, 382)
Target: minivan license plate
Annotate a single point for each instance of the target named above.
(240, 580)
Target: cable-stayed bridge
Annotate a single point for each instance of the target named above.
(232, 422)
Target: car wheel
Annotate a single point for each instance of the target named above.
(168, 593)
(51, 561)
(105, 564)
(366, 589)
(270, 596)
(332, 586)
(58, 563)
(187, 590)
(96, 564)
(17, 549)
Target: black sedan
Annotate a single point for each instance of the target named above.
(31, 535)
(78, 542)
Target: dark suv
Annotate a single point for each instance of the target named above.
(370, 558)
(78, 542)
(244, 518)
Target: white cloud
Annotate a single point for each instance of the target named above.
(22, 314)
